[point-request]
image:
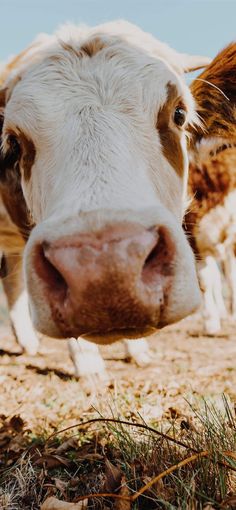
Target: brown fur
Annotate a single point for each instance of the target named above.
(16, 61)
(10, 239)
(89, 48)
(2, 98)
(93, 46)
(169, 136)
(11, 196)
(28, 155)
(212, 180)
(209, 185)
(217, 112)
(28, 152)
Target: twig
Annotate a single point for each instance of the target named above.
(147, 486)
(123, 422)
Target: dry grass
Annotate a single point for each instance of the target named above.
(101, 456)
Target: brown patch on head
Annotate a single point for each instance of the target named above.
(3, 97)
(217, 106)
(170, 138)
(22, 57)
(93, 46)
(27, 151)
(28, 155)
(90, 48)
(14, 202)
(208, 186)
(12, 197)
(14, 63)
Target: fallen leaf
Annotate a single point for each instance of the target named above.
(113, 477)
(89, 456)
(69, 444)
(52, 461)
(55, 504)
(17, 443)
(16, 423)
(4, 439)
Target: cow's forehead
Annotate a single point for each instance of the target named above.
(113, 69)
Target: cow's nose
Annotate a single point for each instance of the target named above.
(112, 279)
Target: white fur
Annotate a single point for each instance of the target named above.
(88, 361)
(139, 351)
(214, 309)
(99, 154)
(21, 321)
(86, 358)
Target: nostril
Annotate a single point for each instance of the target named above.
(159, 262)
(48, 272)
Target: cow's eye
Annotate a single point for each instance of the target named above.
(179, 116)
(14, 148)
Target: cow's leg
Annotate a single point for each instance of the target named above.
(87, 359)
(17, 300)
(139, 351)
(209, 276)
(230, 275)
(218, 294)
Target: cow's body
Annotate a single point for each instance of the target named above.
(211, 220)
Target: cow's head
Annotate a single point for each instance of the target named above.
(95, 124)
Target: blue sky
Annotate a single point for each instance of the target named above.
(194, 26)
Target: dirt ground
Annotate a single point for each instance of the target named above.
(185, 365)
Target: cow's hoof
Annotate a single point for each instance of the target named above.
(231, 318)
(212, 327)
(26, 337)
(87, 361)
(30, 344)
(139, 352)
(142, 360)
(95, 384)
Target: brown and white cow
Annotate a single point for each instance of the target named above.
(94, 134)
(211, 220)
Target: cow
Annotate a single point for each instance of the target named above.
(211, 218)
(93, 175)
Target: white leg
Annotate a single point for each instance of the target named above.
(86, 358)
(22, 325)
(218, 294)
(230, 275)
(209, 276)
(18, 304)
(139, 351)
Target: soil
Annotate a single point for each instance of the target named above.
(186, 365)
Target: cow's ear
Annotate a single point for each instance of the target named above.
(194, 62)
(181, 62)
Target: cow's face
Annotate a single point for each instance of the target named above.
(97, 129)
